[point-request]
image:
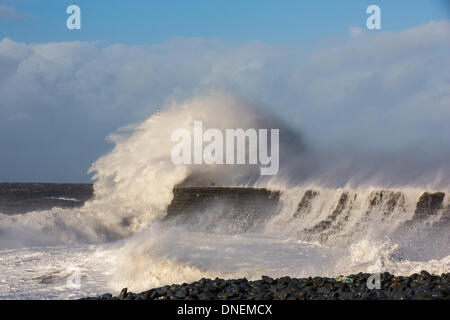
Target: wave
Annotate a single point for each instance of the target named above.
(298, 226)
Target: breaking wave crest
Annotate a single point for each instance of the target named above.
(296, 226)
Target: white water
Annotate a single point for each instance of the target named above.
(119, 239)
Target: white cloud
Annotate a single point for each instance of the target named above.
(355, 31)
(378, 92)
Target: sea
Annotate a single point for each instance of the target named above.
(68, 241)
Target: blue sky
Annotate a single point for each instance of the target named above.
(383, 96)
(140, 22)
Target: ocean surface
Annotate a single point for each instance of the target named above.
(70, 241)
(44, 250)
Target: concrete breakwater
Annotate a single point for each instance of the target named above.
(245, 208)
(249, 201)
(261, 202)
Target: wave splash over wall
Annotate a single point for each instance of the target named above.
(165, 223)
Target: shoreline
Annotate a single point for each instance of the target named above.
(422, 286)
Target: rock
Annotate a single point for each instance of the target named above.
(149, 295)
(162, 291)
(281, 295)
(395, 286)
(425, 275)
(181, 293)
(203, 296)
(428, 204)
(123, 294)
(397, 279)
(422, 295)
(417, 286)
(259, 296)
(267, 280)
(398, 296)
(222, 296)
(445, 290)
(317, 282)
